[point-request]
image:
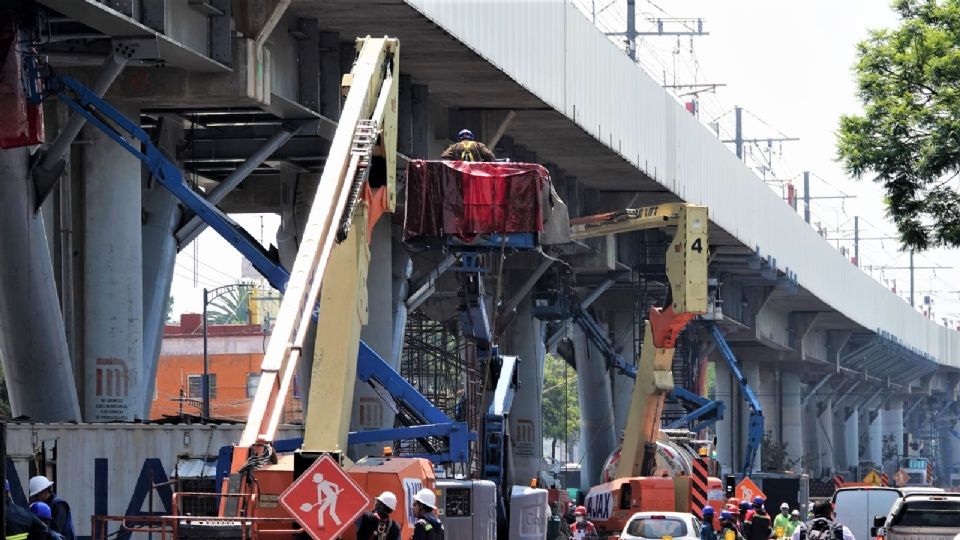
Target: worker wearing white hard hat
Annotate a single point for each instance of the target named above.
(377, 524)
(41, 489)
(427, 526)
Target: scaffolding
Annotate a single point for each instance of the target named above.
(441, 365)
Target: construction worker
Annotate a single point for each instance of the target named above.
(467, 149)
(377, 525)
(758, 523)
(42, 511)
(41, 489)
(728, 526)
(582, 528)
(742, 518)
(20, 523)
(706, 529)
(427, 526)
(822, 526)
(782, 521)
(793, 523)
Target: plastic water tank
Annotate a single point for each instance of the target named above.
(528, 513)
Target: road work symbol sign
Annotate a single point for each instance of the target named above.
(747, 490)
(324, 500)
(873, 478)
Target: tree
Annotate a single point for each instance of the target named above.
(170, 309)
(774, 455)
(561, 406)
(908, 136)
(231, 306)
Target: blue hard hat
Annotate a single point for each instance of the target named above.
(744, 504)
(41, 510)
(465, 134)
(726, 515)
(708, 510)
(758, 501)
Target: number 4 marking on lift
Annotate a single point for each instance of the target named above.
(697, 246)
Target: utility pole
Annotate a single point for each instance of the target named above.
(738, 136)
(806, 196)
(632, 29)
(911, 278)
(856, 241)
(687, 27)
(205, 378)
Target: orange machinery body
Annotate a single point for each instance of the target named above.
(402, 476)
(559, 499)
(610, 505)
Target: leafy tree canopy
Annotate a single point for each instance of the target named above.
(908, 137)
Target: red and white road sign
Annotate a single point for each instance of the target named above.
(324, 500)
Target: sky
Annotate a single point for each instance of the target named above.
(788, 64)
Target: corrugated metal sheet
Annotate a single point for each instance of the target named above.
(99, 465)
(552, 50)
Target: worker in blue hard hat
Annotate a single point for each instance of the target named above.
(728, 527)
(706, 529)
(20, 523)
(43, 513)
(758, 524)
(467, 149)
(745, 508)
(41, 489)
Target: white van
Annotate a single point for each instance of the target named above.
(857, 506)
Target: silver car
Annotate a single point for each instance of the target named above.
(660, 525)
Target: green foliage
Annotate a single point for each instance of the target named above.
(559, 395)
(891, 449)
(170, 309)
(908, 137)
(774, 455)
(231, 306)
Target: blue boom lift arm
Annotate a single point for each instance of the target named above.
(755, 431)
(705, 413)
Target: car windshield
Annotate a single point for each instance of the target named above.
(657, 527)
(929, 514)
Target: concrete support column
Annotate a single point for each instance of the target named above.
(621, 385)
(161, 215)
(369, 412)
(526, 336)
(420, 111)
(32, 339)
(851, 437)
(596, 409)
(875, 437)
(727, 429)
(791, 416)
(811, 440)
(825, 436)
(767, 388)
(952, 443)
(891, 422)
(113, 280)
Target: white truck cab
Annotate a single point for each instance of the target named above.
(923, 516)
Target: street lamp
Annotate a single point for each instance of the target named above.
(210, 295)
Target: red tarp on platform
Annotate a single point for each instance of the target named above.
(467, 199)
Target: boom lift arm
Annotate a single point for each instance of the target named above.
(755, 430)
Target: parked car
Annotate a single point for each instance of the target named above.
(656, 525)
(920, 516)
(856, 507)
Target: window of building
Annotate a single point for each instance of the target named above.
(194, 390)
(253, 381)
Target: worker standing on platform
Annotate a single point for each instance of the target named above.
(41, 489)
(377, 525)
(467, 149)
(706, 529)
(728, 526)
(582, 528)
(758, 523)
(427, 526)
(781, 523)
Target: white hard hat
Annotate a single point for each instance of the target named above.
(426, 497)
(784, 506)
(38, 484)
(388, 499)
